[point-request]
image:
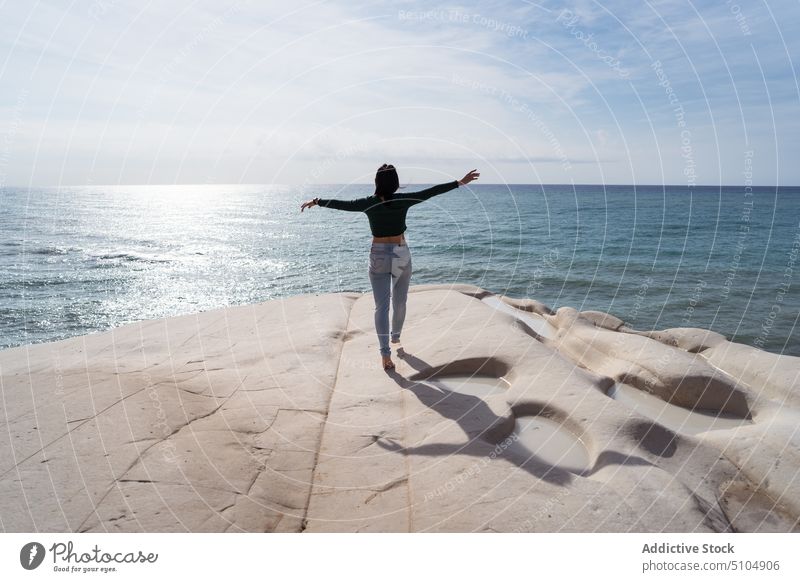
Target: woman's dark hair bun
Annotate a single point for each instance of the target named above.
(386, 183)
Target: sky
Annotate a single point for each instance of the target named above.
(256, 92)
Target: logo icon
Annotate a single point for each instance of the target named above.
(31, 555)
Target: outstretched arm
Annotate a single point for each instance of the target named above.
(358, 205)
(417, 197)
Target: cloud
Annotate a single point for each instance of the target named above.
(123, 92)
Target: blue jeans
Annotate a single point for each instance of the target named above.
(390, 275)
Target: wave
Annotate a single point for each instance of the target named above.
(132, 256)
(123, 255)
(44, 282)
(49, 250)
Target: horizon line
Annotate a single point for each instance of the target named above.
(8, 187)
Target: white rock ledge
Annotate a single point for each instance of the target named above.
(278, 417)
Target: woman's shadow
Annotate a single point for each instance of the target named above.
(491, 429)
(464, 409)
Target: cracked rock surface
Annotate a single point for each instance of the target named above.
(277, 417)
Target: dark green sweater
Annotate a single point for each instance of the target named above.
(387, 218)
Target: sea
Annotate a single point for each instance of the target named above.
(80, 260)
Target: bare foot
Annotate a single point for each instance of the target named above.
(388, 364)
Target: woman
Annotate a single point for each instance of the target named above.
(389, 257)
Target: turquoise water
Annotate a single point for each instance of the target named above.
(85, 259)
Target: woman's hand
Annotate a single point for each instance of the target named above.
(308, 204)
(473, 175)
